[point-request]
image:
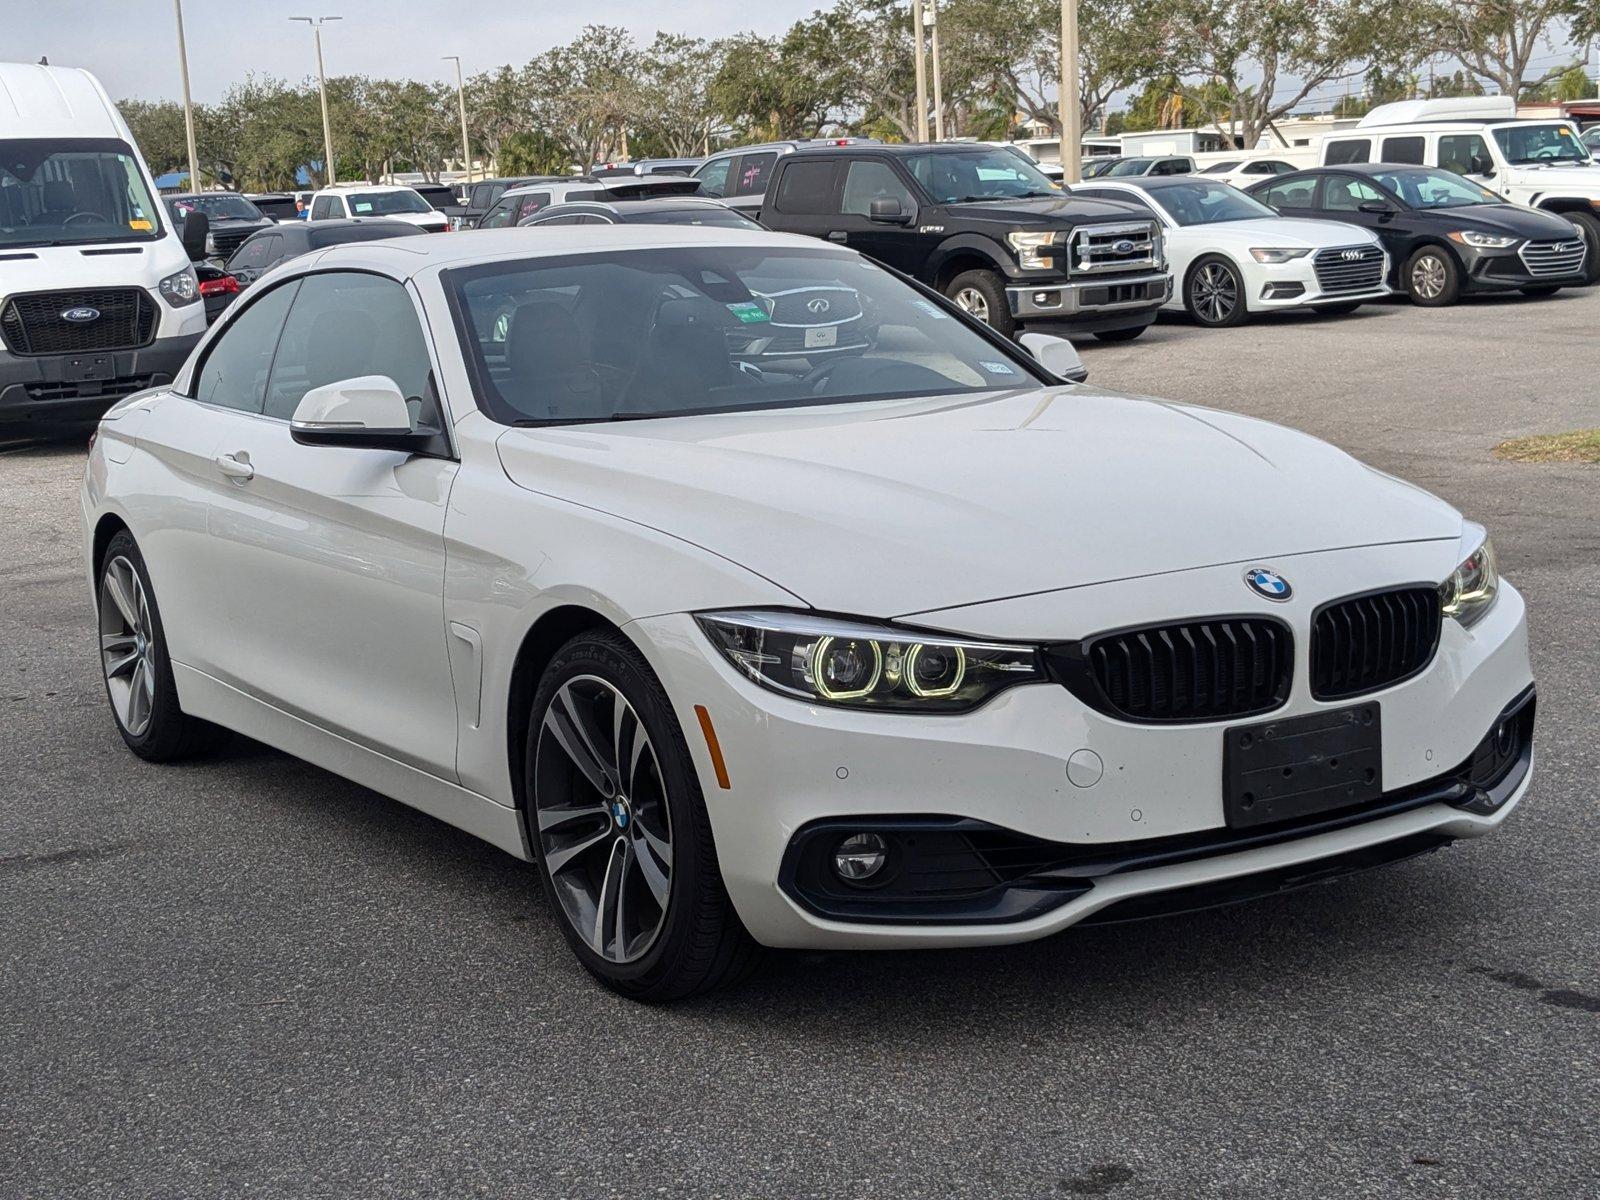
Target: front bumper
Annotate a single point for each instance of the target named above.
(51, 388)
(1511, 268)
(1077, 300)
(1294, 284)
(791, 765)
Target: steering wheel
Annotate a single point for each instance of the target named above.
(86, 218)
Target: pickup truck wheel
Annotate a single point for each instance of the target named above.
(1432, 278)
(1214, 293)
(982, 295)
(1588, 225)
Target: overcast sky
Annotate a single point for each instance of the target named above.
(132, 44)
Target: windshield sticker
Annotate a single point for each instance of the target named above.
(362, 207)
(998, 368)
(749, 312)
(142, 225)
(932, 309)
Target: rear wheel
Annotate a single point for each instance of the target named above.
(135, 664)
(982, 295)
(1214, 293)
(620, 830)
(1432, 277)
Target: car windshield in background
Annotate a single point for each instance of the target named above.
(992, 174)
(650, 333)
(318, 235)
(386, 204)
(1206, 203)
(56, 192)
(1434, 189)
(1540, 144)
(218, 208)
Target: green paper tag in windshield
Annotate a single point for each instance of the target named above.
(749, 312)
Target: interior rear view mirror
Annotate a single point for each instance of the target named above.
(1056, 355)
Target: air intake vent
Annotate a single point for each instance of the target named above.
(1208, 670)
(1374, 641)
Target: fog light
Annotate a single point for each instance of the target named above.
(1046, 299)
(859, 857)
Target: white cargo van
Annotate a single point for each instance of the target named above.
(98, 298)
(1540, 162)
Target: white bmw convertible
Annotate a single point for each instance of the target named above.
(894, 639)
(1232, 256)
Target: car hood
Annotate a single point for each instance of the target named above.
(1284, 231)
(1566, 176)
(431, 219)
(1510, 219)
(887, 508)
(1051, 210)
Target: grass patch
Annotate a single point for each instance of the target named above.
(1580, 446)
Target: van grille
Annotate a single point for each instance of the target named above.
(1204, 670)
(1096, 249)
(1347, 269)
(1551, 260)
(33, 323)
(1370, 642)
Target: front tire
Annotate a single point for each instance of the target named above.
(1589, 226)
(1213, 293)
(620, 831)
(982, 295)
(1432, 278)
(135, 665)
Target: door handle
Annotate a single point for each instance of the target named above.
(838, 235)
(235, 466)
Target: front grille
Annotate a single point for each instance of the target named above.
(33, 324)
(1205, 670)
(1096, 249)
(1342, 270)
(226, 241)
(1551, 260)
(1370, 642)
(103, 389)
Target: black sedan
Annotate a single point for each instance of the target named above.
(272, 246)
(1445, 235)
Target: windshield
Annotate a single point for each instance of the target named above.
(1434, 189)
(650, 333)
(988, 174)
(385, 204)
(1540, 144)
(1130, 166)
(218, 208)
(64, 193)
(1206, 203)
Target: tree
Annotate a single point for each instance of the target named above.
(583, 93)
(780, 87)
(499, 108)
(673, 111)
(1497, 40)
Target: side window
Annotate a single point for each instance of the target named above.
(1350, 150)
(1297, 193)
(806, 187)
(1346, 193)
(322, 208)
(234, 373)
(344, 325)
(868, 180)
(1172, 166)
(253, 254)
(713, 177)
(754, 170)
(480, 196)
(1403, 150)
(1465, 154)
(530, 204)
(500, 215)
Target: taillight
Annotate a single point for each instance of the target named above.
(219, 287)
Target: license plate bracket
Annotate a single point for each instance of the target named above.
(89, 368)
(1301, 766)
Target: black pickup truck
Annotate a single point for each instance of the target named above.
(984, 227)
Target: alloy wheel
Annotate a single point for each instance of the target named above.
(973, 302)
(1214, 293)
(1428, 277)
(127, 645)
(604, 827)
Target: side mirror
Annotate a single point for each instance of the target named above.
(1375, 208)
(886, 210)
(195, 234)
(368, 412)
(1056, 355)
(1482, 166)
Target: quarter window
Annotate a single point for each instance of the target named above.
(869, 180)
(1350, 150)
(234, 373)
(345, 325)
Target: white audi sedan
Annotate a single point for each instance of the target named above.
(896, 639)
(1232, 256)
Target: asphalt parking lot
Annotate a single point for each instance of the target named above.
(246, 977)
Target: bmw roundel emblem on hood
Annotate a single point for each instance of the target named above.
(81, 315)
(1267, 584)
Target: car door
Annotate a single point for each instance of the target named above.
(896, 243)
(1341, 198)
(331, 558)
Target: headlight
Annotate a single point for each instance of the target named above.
(1032, 247)
(1483, 241)
(1276, 254)
(180, 289)
(1470, 591)
(857, 665)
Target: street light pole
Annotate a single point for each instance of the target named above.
(461, 101)
(316, 23)
(1071, 121)
(922, 71)
(932, 22)
(188, 104)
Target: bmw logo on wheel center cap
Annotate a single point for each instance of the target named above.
(1267, 584)
(619, 813)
